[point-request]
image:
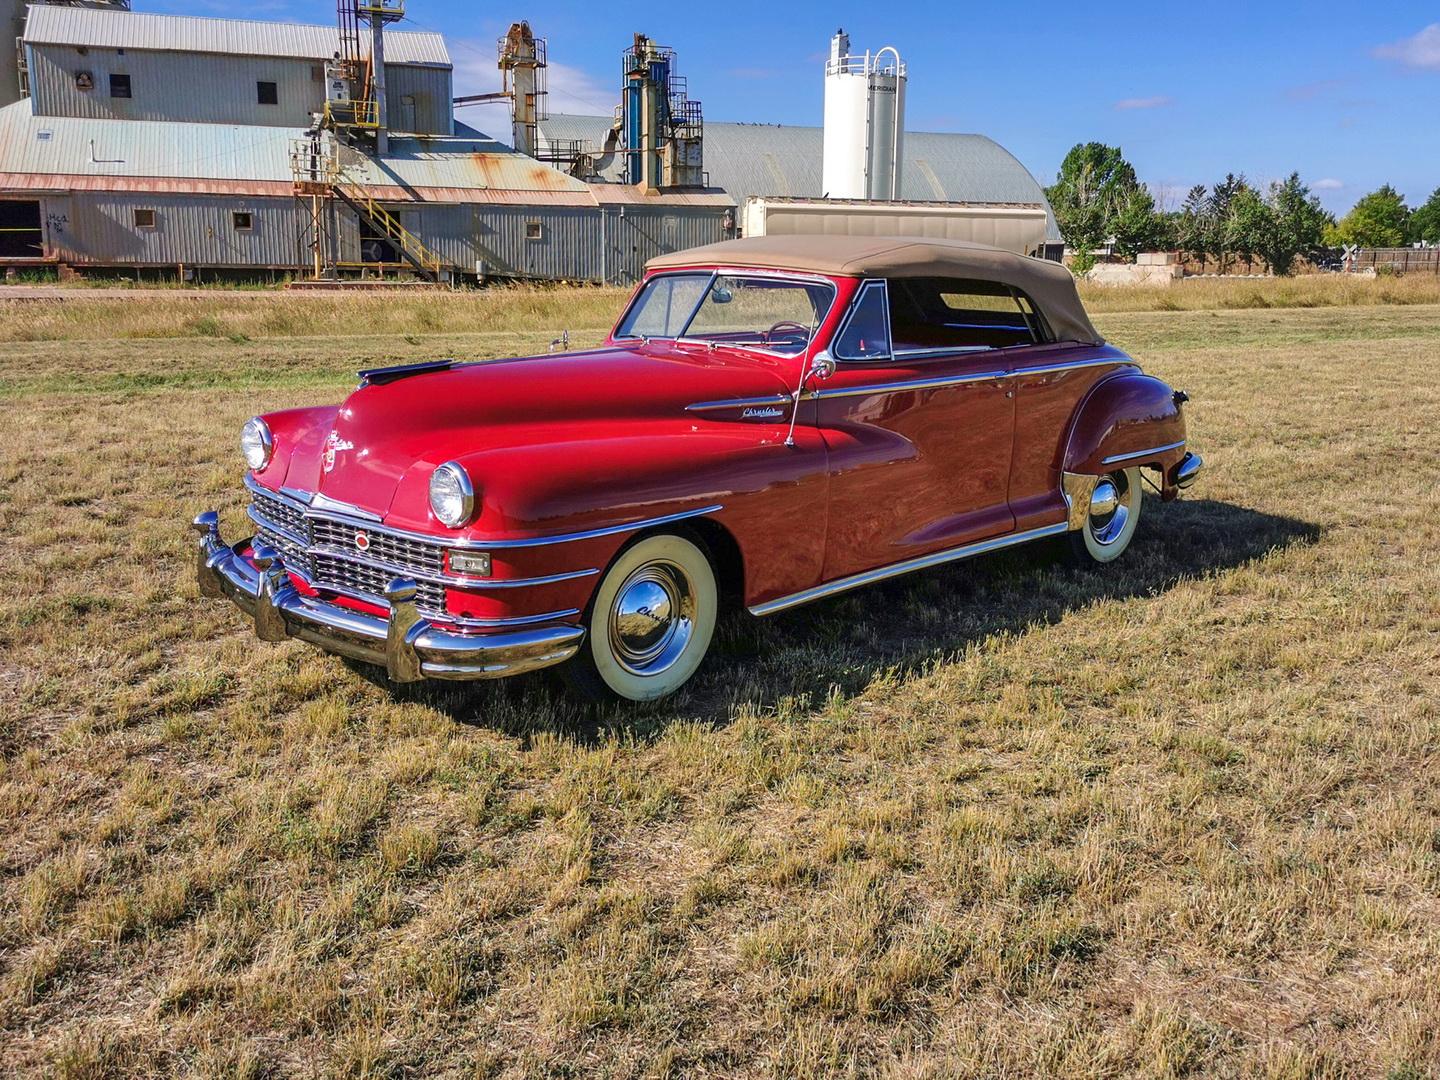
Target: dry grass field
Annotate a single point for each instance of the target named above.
(1004, 819)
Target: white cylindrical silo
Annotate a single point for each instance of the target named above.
(864, 122)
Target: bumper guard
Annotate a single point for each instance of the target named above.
(407, 645)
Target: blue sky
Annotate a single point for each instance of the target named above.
(1347, 93)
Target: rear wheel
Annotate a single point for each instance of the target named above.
(650, 622)
(1110, 521)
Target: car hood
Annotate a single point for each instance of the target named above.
(386, 430)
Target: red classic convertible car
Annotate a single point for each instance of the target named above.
(772, 420)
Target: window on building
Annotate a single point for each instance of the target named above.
(950, 313)
(243, 220)
(119, 86)
(267, 93)
(144, 219)
(534, 230)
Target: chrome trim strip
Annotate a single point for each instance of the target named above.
(739, 403)
(518, 583)
(322, 503)
(1071, 366)
(1142, 453)
(923, 562)
(294, 493)
(488, 545)
(909, 384)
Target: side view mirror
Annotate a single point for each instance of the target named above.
(721, 295)
(822, 365)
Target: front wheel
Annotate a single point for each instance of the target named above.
(650, 623)
(1110, 520)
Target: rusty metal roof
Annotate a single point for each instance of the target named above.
(58, 153)
(108, 28)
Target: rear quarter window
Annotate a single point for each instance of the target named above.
(957, 313)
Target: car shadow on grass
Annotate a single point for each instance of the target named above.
(838, 646)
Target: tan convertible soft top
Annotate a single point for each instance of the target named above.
(1048, 284)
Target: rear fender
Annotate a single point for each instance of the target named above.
(1130, 419)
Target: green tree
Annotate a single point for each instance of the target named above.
(1193, 224)
(1294, 226)
(1425, 221)
(1135, 225)
(1379, 219)
(1094, 185)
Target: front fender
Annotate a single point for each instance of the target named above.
(772, 499)
(1126, 420)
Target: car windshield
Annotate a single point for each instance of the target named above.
(743, 310)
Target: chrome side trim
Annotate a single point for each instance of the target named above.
(1073, 365)
(923, 562)
(1141, 453)
(740, 403)
(909, 384)
(487, 545)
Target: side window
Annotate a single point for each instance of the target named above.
(866, 332)
(119, 86)
(958, 313)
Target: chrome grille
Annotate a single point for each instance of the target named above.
(328, 557)
(280, 512)
(358, 577)
(296, 557)
(417, 555)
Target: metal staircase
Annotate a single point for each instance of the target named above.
(320, 176)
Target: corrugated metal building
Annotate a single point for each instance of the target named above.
(123, 65)
(784, 159)
(193, 170)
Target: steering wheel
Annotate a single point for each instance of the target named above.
(789, 329)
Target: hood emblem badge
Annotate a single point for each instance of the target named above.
(333, 445)
(362, 540)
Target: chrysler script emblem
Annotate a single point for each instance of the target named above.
(764, 413)
(362, 540)
(333, 445)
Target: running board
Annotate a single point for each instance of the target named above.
(923, 562)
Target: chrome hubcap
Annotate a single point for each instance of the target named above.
(1109, 509)
(652, 618)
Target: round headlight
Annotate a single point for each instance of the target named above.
(452, 496)
(256, 443)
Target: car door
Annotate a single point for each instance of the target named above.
(920, 436)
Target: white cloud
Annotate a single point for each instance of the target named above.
(1420, 51)
(571, 90)
(1157, 102)
(1328, 183)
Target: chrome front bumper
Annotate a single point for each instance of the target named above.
(406, 645)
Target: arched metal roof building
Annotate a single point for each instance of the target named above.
(784, 159)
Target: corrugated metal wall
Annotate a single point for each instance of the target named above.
(218, 89)
(418, 100)
(174, 86)
(99, 228)
(574, 243)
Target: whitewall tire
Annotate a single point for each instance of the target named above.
(650, 623)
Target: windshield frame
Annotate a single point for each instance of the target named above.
(799, 278)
